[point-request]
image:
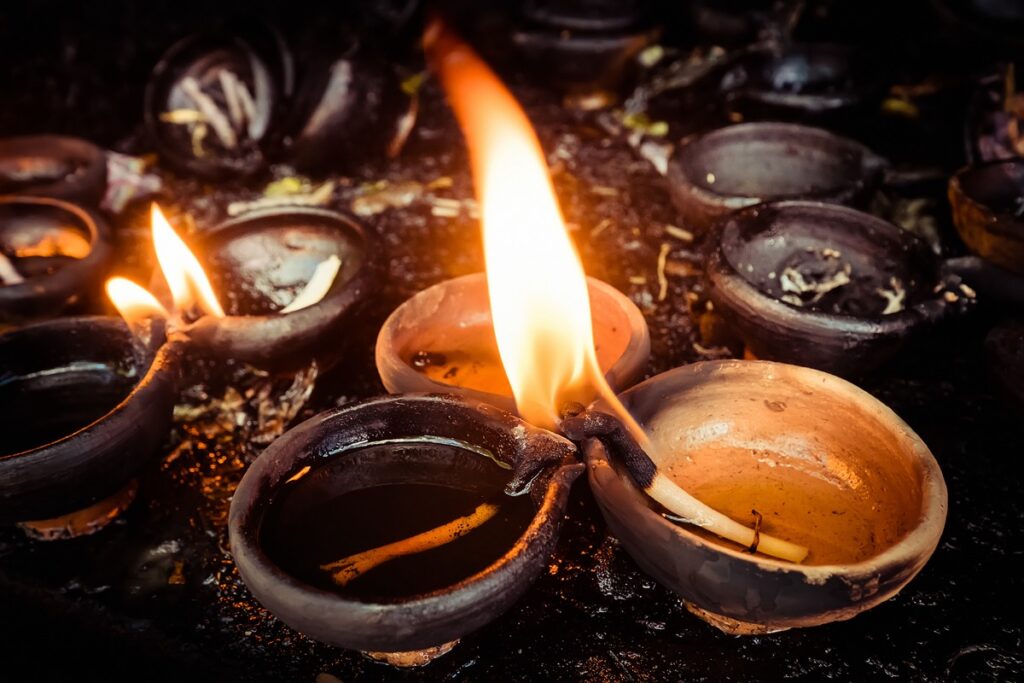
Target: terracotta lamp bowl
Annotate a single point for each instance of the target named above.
(825, 286)
(827, 465)
(434, 440)
(988, 211)
(55, 166)
(727, 169)
(455, 316)
(260, 261)
(86, 408)
(60, 250)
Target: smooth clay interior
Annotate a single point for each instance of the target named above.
(447, 334)
(50, 390)
(821, 470)
(751, 162)
(258, 270)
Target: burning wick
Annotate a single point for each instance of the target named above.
(354, 566)
(189, 286)
(537, 288)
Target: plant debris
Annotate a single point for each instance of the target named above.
(814, 280)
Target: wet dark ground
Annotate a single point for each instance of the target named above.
(156, 595)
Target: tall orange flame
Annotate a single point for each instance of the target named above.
(537, 288)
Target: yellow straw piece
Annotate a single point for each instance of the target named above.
(354, 566)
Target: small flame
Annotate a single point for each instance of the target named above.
(538, 291)
(132, 301)
(185, 277)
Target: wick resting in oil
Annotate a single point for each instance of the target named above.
(579, 424)
(350, 568)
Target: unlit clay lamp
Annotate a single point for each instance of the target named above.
(87, 405)
(53, 254)
(809, 82)
(398, 525)
(715, 173)
(826, 286)
(800, 454)
(988, 211)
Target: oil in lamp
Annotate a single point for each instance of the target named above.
(54, 166)
(53, 254)
(87, 406)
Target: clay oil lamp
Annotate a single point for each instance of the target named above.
(988, 211)
(52, 255)
(87, 405)
(458, 507)
(226, 102)
(727, 169)
(291, 281)
(53, 166)
(580, 47)
(442, 340)
(826, 286)
(214, 98)
(811, 82)
(794, 452)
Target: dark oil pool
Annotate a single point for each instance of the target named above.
(390, 492)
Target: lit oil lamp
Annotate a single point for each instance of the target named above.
(822, 83)
(55, 166)
(87, 405)
(53, 254)
(796, 453)
(737, 166)
(400, 524)
(826, 286)
(292, 281)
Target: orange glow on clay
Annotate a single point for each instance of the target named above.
(536, 284)
(185, 279)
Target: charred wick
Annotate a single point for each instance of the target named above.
(579, 424)
(758, 519)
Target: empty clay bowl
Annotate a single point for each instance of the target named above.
(731, 168)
